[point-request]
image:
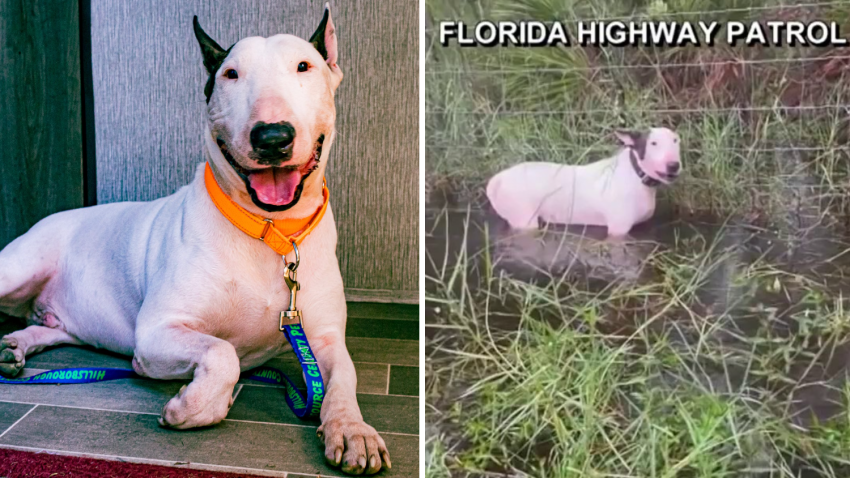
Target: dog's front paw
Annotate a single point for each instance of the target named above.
(11, 357)
(191, 408)
(354, 444)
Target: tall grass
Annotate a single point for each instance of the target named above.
(648, 378)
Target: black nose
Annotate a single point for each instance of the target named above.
(272, 137)
(673, 168)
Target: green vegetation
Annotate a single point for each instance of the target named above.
(706, 370)
(726, 355)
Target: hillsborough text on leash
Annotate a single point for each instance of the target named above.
(303, 406)
(641, 33)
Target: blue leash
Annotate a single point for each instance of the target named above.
(303, 406)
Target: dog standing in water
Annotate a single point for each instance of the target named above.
(177, 285)
(616, 192)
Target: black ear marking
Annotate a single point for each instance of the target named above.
(213, 55)
(212, 52)
(627, 136)
(318, 37)
(635, 140)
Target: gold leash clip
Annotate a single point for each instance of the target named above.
(292, 315)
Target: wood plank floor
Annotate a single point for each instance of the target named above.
(118, 419)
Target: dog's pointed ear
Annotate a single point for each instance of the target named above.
(212, 52)
(628, 138)
(324, 40)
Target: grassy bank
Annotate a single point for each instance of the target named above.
(726, 353)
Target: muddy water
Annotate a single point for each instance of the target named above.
(812, 252)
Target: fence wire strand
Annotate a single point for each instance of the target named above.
(648, 66)
(775, 108)
(609, 148)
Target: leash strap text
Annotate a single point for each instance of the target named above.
(304, 406)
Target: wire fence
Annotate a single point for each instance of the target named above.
(646, 66)
(761, 109)
(710, 149)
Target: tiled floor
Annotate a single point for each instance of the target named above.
(117, 419)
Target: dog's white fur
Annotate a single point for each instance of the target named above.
(604, 193)
(188, 295)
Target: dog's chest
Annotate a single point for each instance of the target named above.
(247, 290)
(644, 204)
(632, 200)
(247, 312)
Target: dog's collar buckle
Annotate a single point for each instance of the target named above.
(269, 224)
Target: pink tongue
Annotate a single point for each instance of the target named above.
(275, 186)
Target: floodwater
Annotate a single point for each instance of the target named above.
(810, 249)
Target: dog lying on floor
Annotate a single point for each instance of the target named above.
(178, 285)
(616, 192)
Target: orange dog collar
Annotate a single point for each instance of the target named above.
(277, 234)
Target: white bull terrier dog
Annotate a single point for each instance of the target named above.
(182, 283)
(616, 192)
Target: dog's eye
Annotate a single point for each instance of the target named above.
(302, 67)
(230, 74)
(675, 140)
(654, 143)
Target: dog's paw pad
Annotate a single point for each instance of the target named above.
(11, 369)
(11, 357)
(355, 468)
(355, 446)
(8, 342)
(192, 408)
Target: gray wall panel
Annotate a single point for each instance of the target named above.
(41, 162)
(149, 107)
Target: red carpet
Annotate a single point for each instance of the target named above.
(20, 464)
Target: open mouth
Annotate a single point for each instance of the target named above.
(276, 188)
